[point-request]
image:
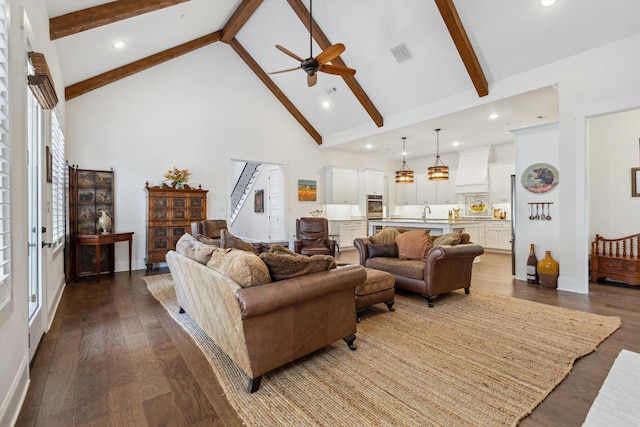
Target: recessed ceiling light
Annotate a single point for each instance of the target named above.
(369, 146)
(547, 3)
(326, 104)
(493, 116)
(456, 143)
(118, 44)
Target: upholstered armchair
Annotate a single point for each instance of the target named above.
(312, 237)
(209, 228)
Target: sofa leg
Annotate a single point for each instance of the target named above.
(466, 290)
(430, 299)
(254, 384)
(349, 340)
(181, 310)
(390, 305)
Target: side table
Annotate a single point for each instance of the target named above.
(101, 239)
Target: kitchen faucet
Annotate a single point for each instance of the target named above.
(424, 214)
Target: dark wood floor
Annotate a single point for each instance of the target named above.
(115, 357)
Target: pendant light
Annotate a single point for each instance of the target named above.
(404, 175)
(438, 172)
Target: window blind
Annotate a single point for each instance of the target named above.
(5, 213)
(59, 184)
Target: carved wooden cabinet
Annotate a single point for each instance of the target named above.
(169, 216)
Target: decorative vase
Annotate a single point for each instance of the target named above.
(104, 222)
(179, 185)
(548, 270)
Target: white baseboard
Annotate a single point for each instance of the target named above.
(12, 403)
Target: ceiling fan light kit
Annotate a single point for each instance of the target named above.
(312, 65)
(438, 172)
(404, 175)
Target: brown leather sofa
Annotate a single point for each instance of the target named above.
(444, 269)
(209, 228)
(312, 237)
(267, 326)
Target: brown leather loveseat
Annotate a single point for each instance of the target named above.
(444, 268)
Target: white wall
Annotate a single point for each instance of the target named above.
(614, 148)
(538, 144)
(170, 115)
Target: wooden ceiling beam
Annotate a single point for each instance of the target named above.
(103, 79)
(262, 75)
(104, 14)
(318, 35)
(240, 17)
(465, 50)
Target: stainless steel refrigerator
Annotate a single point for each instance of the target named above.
(513, 225)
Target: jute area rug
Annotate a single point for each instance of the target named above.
(472, 360)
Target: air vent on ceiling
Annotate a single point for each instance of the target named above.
(401, 53)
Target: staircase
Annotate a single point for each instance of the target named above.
(243, 187)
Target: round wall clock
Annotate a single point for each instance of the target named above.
(540, 178)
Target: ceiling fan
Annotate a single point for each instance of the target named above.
(312, 65)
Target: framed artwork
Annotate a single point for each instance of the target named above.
(306, 190)
(540, 178)
(258, 201)
(635, 182)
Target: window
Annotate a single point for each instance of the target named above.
(59, 183)
(5, 223)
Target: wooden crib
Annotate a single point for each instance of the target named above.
(616, 259)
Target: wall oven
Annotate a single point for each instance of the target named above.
(374, 206)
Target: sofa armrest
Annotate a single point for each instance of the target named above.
(361, 244)
(263, 299)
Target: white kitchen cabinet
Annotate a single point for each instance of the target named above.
(426, 193)
(372, 182)
(341, 186)
(498, 235)
(436, 192)
(405, 194)
(476, 232)
(500, 181)
(349, 231)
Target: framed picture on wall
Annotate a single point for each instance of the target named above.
(306, 190)
(635, 182)
(258, 201)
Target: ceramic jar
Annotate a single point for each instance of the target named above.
(548, 271)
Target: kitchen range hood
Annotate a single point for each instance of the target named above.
(473, 176)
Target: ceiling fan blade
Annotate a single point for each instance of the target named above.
(337, 69)
(330, 53)
(288, 52)
(311, 80)
(284, 71)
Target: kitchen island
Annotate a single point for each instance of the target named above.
(438, 227)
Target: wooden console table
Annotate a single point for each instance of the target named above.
(102, 239)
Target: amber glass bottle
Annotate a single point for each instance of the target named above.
(532, 266)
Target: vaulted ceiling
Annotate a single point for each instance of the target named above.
(454, 47)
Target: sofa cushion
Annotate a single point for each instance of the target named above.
(385, 250)
(244, 268)
(413, 244)
(285, 266)
(212, 227)
(385, 236)
(228, 241)
(452, 238)
(406, 268)
(190, 247)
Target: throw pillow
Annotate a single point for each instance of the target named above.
(212, 227)
(279, 249)
(388, 251)
(284, 266)
(453, 238)
(385, 236)
(228, 240)
(190, 247)
(414, 244)
(244, 268)
(465, 238)
(207, 241)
